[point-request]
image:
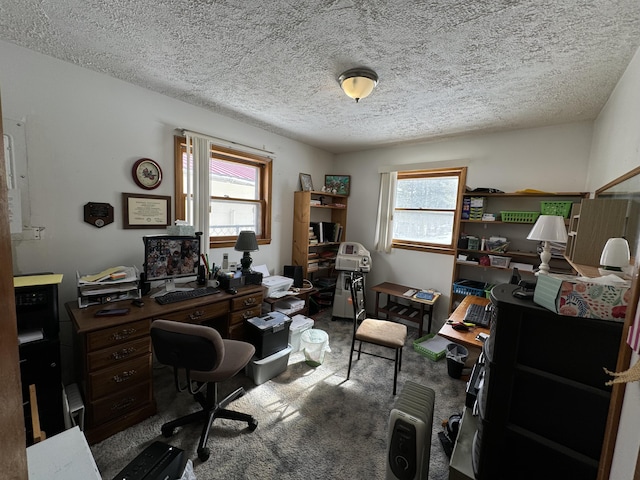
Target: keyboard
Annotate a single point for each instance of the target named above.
(173, 297)
(478, 315)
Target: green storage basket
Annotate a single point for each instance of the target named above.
(426, 352)
(519, 217)
(562, 209)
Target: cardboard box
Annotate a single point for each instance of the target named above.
(583, 297)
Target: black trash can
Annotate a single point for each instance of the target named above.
(456, 357)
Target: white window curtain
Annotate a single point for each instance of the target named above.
(197, 184)
(386, 205)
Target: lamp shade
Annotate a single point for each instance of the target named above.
(246, 241)
(615, 254)
(549, 228)
(358, 83)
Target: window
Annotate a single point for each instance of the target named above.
(240, 193)
(426, 213)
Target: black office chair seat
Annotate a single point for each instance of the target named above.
(200, 354)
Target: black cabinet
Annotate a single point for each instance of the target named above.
(543, 407)
(39, 350)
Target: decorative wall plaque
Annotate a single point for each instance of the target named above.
(98, 214)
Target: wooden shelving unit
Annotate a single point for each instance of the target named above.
(520, 249)
(329, 208)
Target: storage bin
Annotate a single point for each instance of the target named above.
(299, 324)
(519, 217)
(269, 333)
(469, 287)
(261, 370)
(562, 209)
(431, 346)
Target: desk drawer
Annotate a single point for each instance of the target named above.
(120, 377)
(247, 301)
(117, 335)
(121, 403)
(115, 354)
(198, 314)
(240, 317)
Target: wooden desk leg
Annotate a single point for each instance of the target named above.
(421, 320)
(377, 304)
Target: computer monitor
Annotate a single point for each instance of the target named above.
(169, 257)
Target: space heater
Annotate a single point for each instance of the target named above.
(409, 439)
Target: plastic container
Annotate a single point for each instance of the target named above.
(299, 324)
(261, 370)
(456, 357)
(269, 333)
(314, 343)
(431, 346)
(562, 209)
(519, 217)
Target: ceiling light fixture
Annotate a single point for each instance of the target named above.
(358, 83)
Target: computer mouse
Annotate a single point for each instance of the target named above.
(460, 327)
(138, 302)
(231, 291)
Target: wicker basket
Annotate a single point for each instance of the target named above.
(562, 209)
(519, 217)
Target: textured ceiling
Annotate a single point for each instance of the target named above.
(445, 67)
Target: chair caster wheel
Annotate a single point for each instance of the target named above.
(167, 431)
(203, 454)
(253, 424)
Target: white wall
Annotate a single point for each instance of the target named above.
(549, 158)
(615, 151)
(84, 132)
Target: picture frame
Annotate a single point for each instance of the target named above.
(340, 183)
(145, 211)
(306, 183)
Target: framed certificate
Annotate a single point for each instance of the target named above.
(145, 211)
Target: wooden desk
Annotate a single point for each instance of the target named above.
(468, 338)
(114, 353)
(414, 312)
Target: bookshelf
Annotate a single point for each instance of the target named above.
(317, 216)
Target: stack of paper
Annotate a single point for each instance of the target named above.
(112, 284)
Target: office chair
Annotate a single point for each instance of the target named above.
(200, 354)
(377, 332)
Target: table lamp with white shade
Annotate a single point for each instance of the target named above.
(548, 228)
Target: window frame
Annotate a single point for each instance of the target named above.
(450, 249)
(265, 167)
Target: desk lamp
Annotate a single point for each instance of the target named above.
(548, 228)
(246, 243)
(615, 257)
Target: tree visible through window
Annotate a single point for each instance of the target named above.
(240, 193)
(426, 208)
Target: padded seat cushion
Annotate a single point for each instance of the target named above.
(236, 356)
(382, 332)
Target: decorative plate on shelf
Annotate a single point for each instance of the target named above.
(147, 173)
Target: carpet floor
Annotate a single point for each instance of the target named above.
(312, 422)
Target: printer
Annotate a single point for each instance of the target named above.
(276, 284)
(353, 257)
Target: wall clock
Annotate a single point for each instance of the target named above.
(147, 173)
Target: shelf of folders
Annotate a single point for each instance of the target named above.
(110, 285)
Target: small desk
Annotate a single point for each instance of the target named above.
(409, 312)
(468, 338)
